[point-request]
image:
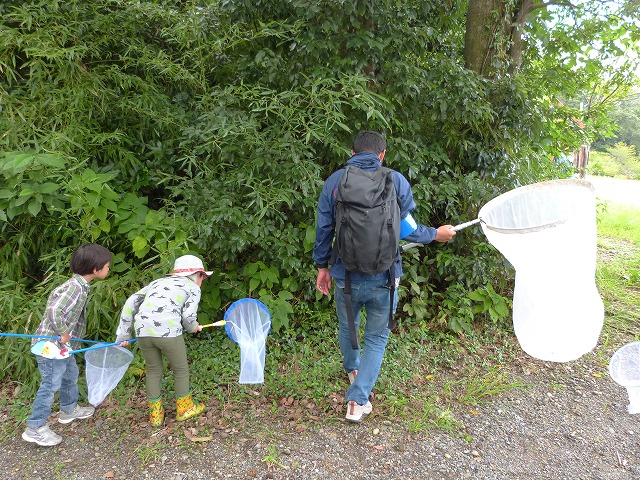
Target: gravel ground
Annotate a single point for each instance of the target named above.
(569, 422)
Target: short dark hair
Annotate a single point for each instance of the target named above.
(89, 257)
(368, 141)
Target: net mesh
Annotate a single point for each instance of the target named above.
(248, 323)
(105, 368)
(548, 233)
(624, 368)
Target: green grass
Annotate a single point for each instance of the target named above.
(620, 222)
(618, 273)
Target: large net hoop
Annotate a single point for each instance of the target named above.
(548, 233)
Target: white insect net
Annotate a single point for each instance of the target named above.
(105, 368)
(548, 233)
(248, 323)
(624, 368)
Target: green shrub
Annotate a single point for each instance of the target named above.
(620, 161)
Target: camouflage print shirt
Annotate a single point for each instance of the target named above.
(164, 308)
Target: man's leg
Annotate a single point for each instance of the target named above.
(351, 356)
(375, 298)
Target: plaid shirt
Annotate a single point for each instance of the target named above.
(66, 309)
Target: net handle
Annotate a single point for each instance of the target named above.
(466, 224)
(220, 323)
(51, 337)
(455, 228)
(102, 345)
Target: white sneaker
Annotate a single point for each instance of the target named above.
(356, 412)
(43, 436)
(352, 376)
(77, 414)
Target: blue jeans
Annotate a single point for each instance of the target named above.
(56, 375)
(375, 298)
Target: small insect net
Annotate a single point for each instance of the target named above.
(248, 324)
(105, 368)
(624, 368)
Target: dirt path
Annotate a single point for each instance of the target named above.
(624, 192)
(566, 422)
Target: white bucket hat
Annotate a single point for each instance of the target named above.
(187, 265)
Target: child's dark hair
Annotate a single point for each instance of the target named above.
(89, 257)
(368, 141)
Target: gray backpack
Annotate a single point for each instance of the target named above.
(367, 230)
(367, 220)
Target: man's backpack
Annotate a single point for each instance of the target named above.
(367, 228)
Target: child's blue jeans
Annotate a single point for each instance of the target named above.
(56, 375)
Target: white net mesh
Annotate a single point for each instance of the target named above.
(105, 368)
(248, 323)
(548, 233)
(624, 368)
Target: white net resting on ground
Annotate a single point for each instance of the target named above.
(105, 368)
(548, 233)
(248, 324)
(624, 368)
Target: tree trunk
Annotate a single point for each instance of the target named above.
(481, 30)
(515, 49)
(493, 39)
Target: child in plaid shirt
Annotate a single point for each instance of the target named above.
(65, 316)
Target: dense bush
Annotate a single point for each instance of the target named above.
(161, 128)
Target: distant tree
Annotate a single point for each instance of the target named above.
(626, 116)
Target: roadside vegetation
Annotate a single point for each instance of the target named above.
(427, 376)
(159, 129)
(619, 161)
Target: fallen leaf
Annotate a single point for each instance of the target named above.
(109, 474)
(193, 438)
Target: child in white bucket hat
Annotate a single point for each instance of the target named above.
(159, 313)
(187, 265)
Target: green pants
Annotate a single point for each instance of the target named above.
(173, 348)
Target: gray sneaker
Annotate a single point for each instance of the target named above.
(42, 436)
(77, 414)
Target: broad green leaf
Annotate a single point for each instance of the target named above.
(34, 207)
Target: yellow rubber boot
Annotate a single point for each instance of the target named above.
(156, 412)
(185, 408)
